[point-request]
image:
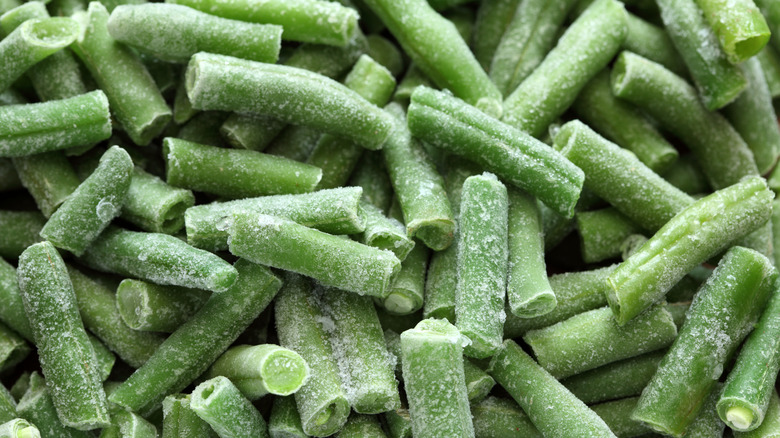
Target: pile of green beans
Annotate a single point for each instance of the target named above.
(389, 218)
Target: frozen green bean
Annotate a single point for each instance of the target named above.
(770, 65)
(501, 418)
(686, 175)
(179, 421)
(407, 291)
(770, 427)
(48, 177)
(218, 402)
(36, 406)
(478, 382)
(150, 307)
(155, 206)
(285, 421)
(493, 18)
(617, 415)
(697, 233)
(20, 230)
(648, 40)
(602, 233)
(739, 26)
(19, 428)
(13, 349)
(372, 176)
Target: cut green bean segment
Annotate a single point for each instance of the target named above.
(697, 233)
(478, 382)
(31, 42)
(602, 233)
(295, 142)
(159, 258)
(322, 403)
(20, 230)
(309, 21)
(686, 175)
(67, 358)
(519, 159)
(617, 415)
(19, 428)
(770, 66)
(436, 47)
(218, 402)
(334, 211)
(155, 206)
(551, 407)
(11, 306)
(753, 116)
(722, 314)
(576, 292)
(58, 124)
(196, 31)
(247, 131)
(625, 378)
(179, 421)
(362, 426)
(333, 261)
(618, 177)
(435, 386)
(770, 427)
(592, 339)
(707, 423)
(98, 309)
(623, 124)
(154, 308)
(398, 423)
(13, 349)
(128, 425)
(407, 292)
(195, 345)
(652, 42)
(527, 39)
(294, 95)
(135, 100)
(493, 18)
(412, 79)
(418, 186)
(528, 290)
(583, 50)
(356, 334)
(204, 129)
(37, 407)
(482, 264)
(501, 418)
(48, 177)
(385, 53)
(257, 370)
(749, 386)
(182, 107)
(234, 173)
(285, 421)
(55, 77)
(718, 80)
(93, 205)
(739, 26)
(105, 358)
(372, 176)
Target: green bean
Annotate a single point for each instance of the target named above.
(770, 427)
(493, 18)
(98, 309)
(12, 311)
(58, 124)
(697, 233)
(93, 205)
(48, 177)
(437, 48)
(135, 100)
(155, 206)
(182, 108)
(583, 50)
(652, 42)
(551, 407)
(218, 402)
(285, 421)
(749, 386)
(770, 65)
(625, 378)
(322, 403)
(527, 39)
(411, 80)
(398, 423)
(482, 264)
(104, 357)
(717, 80)
(179, 421)
(371, 175)
(20, 230)
(385, 53)
(753, 116)
(303, 20)
(361, 426)
(36, 406)
(295, 142)
(247, 131)
(31, 42)
(432, 361)
(204, 129)
(13, 349)
(592, 339)
(576, 292)
(623, 124)
(196, 31)
(707, 424)
(334, 211)
(9, 179)
(204, 168)
(501, 418)
(519, 159)
(739, 26)
(407, 291)
(67, 357)
(196, 344)
(19, 428)
(528, 290)
(617, 415)
(478, 382)
(290, 94)
(418, 186)
(686, 175)
(333, 261)
(722, 314)
(150, 307)
(602, 233)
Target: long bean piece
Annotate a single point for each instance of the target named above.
(150, 307)
(218, 402)
(48, 177)
(739, 25)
